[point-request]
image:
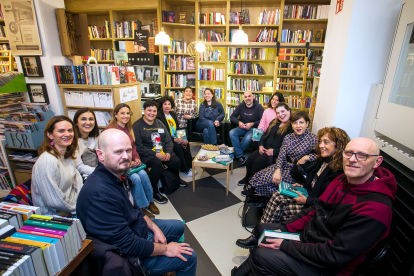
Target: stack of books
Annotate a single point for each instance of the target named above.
(32, 244)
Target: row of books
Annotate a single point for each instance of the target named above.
(94, 75)
(244, 84)
(218, 91)
(299, 52)
(4, 67)
(126, 29)
(170, 17)
(3, 32)
(213, 55)
(311, 36)
(295, 101)
(32, 244)
(103, 118)
(229, 111)
(5, 180)
(212, 18)
(269, 17)
(234, 98)
(177, 46)
(311, 68)
(102, 54)
(248, 53)
(209, 73)
(293, 73)
(100, 31)
(263, 99)
(89, 99)
(245, 68)
(266, 35)
(289, 84)
(176, 94)
(306, 12)
(178, 63)
(242, 17)
(212, 36)
(179, 80)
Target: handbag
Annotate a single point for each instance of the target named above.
(253, 210)
(170, 181)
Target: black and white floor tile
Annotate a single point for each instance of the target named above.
(212, 219)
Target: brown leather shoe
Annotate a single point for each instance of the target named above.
(146, 212)
(153, 208)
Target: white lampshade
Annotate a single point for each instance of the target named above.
(240, 38)
(200, 47)
(162, 39)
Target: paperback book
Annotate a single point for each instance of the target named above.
(290, 191)
(271, 234)
(257, 134)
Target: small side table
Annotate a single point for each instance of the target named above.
(210, 164)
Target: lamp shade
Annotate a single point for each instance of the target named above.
(162, 39)
(240, 38)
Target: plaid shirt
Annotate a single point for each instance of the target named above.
(182, 108)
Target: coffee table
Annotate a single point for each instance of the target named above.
(210, 164)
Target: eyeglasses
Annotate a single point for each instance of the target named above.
(358, 155)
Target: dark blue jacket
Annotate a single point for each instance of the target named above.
(106, 213)
(246, 114)
(210, 113)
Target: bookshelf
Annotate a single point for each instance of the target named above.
(6, 58)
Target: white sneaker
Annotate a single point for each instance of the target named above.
(195, 172)
(188, 174)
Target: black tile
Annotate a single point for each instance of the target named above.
(209, 197)
(205, 267)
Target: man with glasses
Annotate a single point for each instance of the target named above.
(109, 213)
(349, 219)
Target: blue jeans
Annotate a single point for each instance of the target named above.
(173, 230)
(142, 189)
(240, 147)
(209, 131)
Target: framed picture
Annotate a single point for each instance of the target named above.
(31, 66)
(37, 93)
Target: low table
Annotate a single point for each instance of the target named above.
(210, 164)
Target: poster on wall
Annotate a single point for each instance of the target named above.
(21, 25)
(128, 94)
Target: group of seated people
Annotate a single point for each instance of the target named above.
(347, 212)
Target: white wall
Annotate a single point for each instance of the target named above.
(52, 55)
(356, 52)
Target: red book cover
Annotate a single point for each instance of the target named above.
(258, 35)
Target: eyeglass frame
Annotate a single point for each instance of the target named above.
(355, 153)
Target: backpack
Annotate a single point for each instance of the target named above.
(170, 181)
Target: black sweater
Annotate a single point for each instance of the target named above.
(148, 136)
(272, 140)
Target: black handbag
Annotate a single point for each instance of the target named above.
(170, 181)
(253, 210)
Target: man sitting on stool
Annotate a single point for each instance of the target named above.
(349, 219)
(108, 212)
(250, 112)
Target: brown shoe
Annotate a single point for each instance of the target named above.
(147, 213)
(153, 208)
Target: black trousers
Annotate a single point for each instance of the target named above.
(266, 261)
(156, 168)
(257, 162)
(254, 145)
(184, 154)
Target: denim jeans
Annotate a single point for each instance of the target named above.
(240, 147)
(209, 131)
(173, 230)
(142, 189)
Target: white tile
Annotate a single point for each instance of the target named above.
(167, 211)
(217, 234)
(200, 174)
(237, 175)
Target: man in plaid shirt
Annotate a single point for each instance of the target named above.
(185, 108)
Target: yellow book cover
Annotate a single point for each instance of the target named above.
(42, 217)
(43, 245)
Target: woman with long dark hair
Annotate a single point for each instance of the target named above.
(211, 113)
(56, 182)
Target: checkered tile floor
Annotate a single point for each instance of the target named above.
(212, 221)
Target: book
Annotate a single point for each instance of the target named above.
(271, 234)
(288, 190)
(7, 231)
(171, 17)
(257, 134)
(141, 41)
(182, 17)
(136, 169)
(181, 133)
(318, 67)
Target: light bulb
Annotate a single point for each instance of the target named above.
(200, 47)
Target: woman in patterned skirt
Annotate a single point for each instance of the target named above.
(297, 148)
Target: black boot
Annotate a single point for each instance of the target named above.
(243, 270)
(249, 243)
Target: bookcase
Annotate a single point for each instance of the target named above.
(115, 91)
(6, 58)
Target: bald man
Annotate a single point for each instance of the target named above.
(349, 219)
(247, 116)
(109, 213)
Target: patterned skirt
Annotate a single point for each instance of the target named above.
(262, 180)
(280, 208)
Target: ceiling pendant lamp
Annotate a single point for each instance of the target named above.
(239, 36)
(162, 39)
